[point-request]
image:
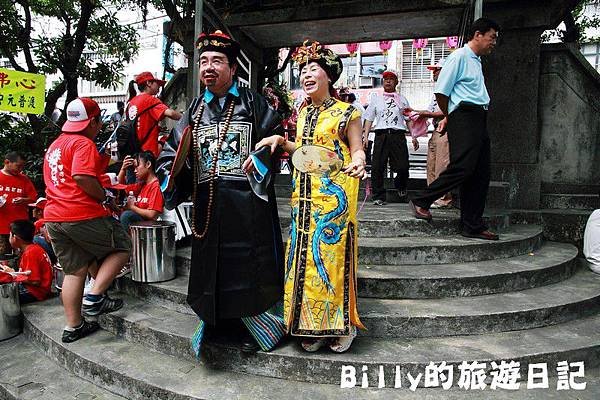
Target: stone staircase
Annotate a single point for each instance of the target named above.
(425, 295)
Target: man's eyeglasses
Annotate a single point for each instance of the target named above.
(216, 63)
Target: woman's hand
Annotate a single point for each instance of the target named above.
(356, 169)
(415, 143)
(127, 163)
(272, 141)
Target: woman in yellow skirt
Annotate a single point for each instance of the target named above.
(321, 255)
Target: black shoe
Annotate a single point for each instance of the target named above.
(104, 306)
(84, 329)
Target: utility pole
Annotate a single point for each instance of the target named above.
(478, 9)
(198, 12)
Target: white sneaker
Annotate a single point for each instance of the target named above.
(88, 286)
(124, 271)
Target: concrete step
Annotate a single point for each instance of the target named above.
(446, 249)
(547, 305)
(551, 263)
(137, 372)
(571, 201)
(27, 373)
(158, 346)
(559, 225)
(396, 220)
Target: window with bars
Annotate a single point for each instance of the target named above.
(414, 65)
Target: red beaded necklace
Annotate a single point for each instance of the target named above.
(213, 168)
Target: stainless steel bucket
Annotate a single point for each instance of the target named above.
(188, 207)
(11, 322)
(153, 251)
(59, 276)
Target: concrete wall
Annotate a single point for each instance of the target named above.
(569, 110)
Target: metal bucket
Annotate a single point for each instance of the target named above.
(11, 322)
(188, 207)
(153, 251)
(59, 276)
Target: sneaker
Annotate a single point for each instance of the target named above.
(103, 306)
(379, 203)
(83, 330)
(88, 286)
(124, 271)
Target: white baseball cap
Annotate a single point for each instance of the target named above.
(79, 114)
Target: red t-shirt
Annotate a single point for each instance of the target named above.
(35, 259)
(12, 186)
(68, 155)
(148, 196)
(147, 125)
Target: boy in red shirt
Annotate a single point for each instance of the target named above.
(33, 259)
(85, 237)
(16, 192)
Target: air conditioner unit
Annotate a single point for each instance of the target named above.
(365, 81)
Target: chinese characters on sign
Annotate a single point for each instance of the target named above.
(22, 92)
(468, 376)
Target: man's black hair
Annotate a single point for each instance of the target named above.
(23, 229)
(13, 156)
(120, 104)
(147, 156)
(482, 25)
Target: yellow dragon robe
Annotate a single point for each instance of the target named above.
(321, 254)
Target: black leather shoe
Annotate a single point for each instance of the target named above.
(249, 346)
(486, 235)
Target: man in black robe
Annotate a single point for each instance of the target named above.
(237, 250)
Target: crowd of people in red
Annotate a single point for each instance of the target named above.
(82, 223)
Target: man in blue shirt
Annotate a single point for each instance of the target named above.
(463, 98)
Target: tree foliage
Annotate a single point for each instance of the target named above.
(578, 26)
(60, 37)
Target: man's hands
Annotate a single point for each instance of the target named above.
(441, 128)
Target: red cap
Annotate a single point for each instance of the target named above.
(79, 114)
(389, 74)
(146, 76)
(38, 224)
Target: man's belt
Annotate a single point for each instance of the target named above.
(465, 105)
(390, 130)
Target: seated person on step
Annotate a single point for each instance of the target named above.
(33, 259)
(144, 200)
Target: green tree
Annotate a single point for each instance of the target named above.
(577, 26)
(56, 37)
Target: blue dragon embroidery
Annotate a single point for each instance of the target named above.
(327, 231)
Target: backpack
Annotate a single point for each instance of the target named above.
(126, 135)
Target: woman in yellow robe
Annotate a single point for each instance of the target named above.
(321, 255)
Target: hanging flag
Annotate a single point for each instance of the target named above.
(22, 92)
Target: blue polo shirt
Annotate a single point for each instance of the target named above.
(461, 79)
